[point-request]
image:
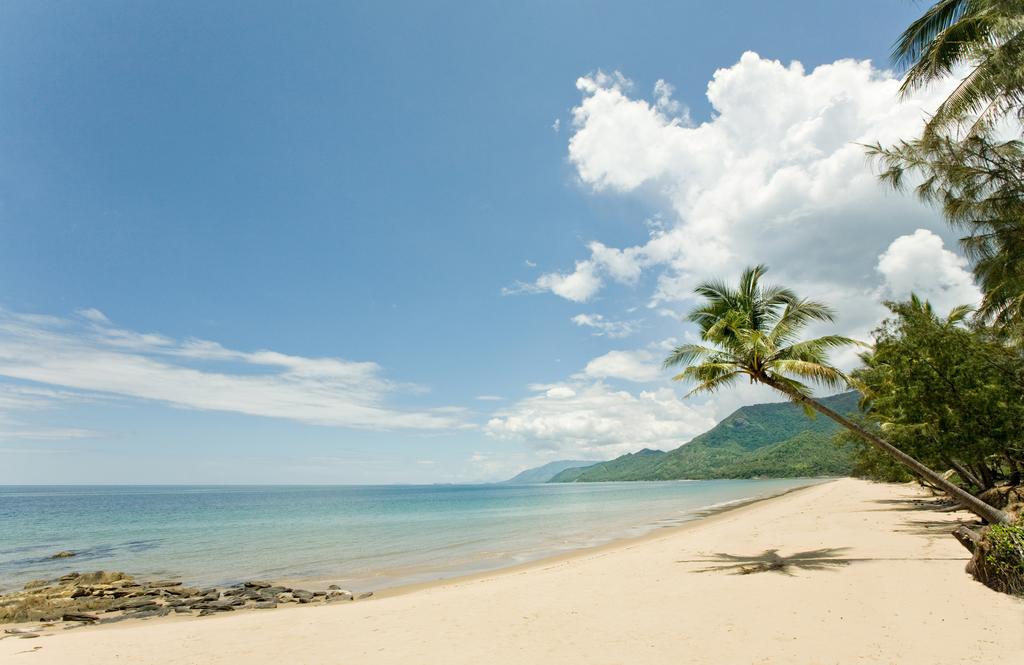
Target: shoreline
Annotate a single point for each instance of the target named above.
(840, 572)
(321, 585)
(700, 516)
(389, 577)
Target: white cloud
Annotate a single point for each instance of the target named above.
(606, 327)
(591, 419)
(556, 126)
(919, 263)
(489, 398)
(22, 400)
(578, 286)
(637, 366)
(95, 356)
(776, 176)
(666, 105)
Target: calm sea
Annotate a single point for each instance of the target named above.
(361, 537)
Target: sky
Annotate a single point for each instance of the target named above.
(327, 242)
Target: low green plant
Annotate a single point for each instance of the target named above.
(999, 561)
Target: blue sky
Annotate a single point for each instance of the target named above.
(353, 242)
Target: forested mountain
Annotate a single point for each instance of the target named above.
(763, 440)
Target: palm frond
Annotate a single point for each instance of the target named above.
(821, 374)
(687, 354)
(916, 39)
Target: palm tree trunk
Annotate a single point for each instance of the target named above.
(964, 473)
(966, 499)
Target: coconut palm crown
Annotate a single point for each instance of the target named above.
(753, 331)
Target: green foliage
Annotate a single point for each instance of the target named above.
(949, 395)
(986, 36)
(977, 183)
(764, 440)
(967, 166)
(999, 563)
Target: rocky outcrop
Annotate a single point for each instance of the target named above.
(100, 597)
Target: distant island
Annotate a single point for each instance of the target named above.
(760, 441)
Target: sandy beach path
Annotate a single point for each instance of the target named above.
(884, 583)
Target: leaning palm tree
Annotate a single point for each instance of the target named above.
(984, 36)
(753, 332)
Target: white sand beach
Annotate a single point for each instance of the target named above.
(886, 587)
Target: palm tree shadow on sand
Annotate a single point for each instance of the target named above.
(771, 560)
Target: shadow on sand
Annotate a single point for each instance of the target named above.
(771, 560)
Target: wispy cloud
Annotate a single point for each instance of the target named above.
(89, 353)
(606, 327)
(20, 399)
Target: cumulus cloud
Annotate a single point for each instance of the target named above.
(777, 175)
(604, 327)
(637, 366)
(91, 354)
(592, 419)
(919, 263)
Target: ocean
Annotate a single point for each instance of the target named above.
(360, 537)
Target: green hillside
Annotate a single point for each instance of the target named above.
(631, 466)
(543, 474)
(764, 440)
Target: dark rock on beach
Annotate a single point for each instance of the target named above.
(82, 599)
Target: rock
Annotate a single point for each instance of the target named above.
(163, 584)
(120, 617)
(36, 584)
(334, 596)
(365, 595)
(65, 554)
(154, 612)
(227, 603)
(105, 577)
(264, 605)
(89, 618)
(257, 584)
(276, 590)
(333, 587)
(183, 609)
(302, 595)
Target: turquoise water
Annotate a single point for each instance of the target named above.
(361, 537)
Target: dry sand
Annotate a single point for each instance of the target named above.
(889, 587)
